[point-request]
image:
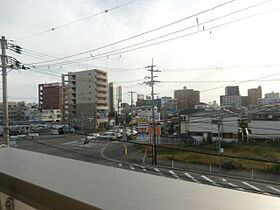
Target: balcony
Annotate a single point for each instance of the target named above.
(101, 107)
(99, 88)
(100, 76)
(101, 82)
(73, 184)
(101, 95)
(101, 101)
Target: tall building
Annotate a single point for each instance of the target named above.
(50, 101)
(50, 96)
(232, 91)
(115, 97)
(232, 98)
(253, 95)
(231, 102)
(187, 98)
(85, 99)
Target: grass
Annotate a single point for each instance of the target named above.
(257, 151)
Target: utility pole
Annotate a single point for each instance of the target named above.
(151, 83)
(220, 136)
(4, 84)
(82, 114)
(131, 106)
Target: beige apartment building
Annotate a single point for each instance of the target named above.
(85, 99)
(187, 98)
(254, 94)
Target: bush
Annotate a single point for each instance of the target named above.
(230, 164)
(275, 169)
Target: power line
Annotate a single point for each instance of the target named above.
(117, 51)
(74, 21)
(250, 80)
(138, 35)
(218, 68)
(217, 81)
(182, 36)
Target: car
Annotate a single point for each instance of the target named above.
(109, 135)
(93, 136)
(128, 132)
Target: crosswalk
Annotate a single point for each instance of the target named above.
(273, 188)
(208, 179)
(251, 186)
(190, 176)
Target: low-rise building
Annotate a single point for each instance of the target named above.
(16, 111)
(51, 115)
(269, 98)
(202, 125)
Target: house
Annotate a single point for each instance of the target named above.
(202, 125)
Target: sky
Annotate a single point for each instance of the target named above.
(245, 50)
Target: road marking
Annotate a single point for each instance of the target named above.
(87, 145)
(132, 168)
(174, 174)
(143, 168)
(273, 188)
(70, 143)
(233, 185)
(157, 170)
(266, 193)
(190, 176)
(251, 186)
(207, 179)
(120, 164)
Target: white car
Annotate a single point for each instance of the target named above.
(134, 132)
(93, 136)
(109, 135)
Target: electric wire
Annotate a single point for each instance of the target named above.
(74, 21)
(138, 35)
(117, 51)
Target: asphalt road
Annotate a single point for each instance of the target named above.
(111, 153)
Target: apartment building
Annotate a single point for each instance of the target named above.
(187, 98)
(232, 98)
(85, 99)
(253, 95)
(232, 91)
(15, 111)
(50, 96)
(50, 101)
